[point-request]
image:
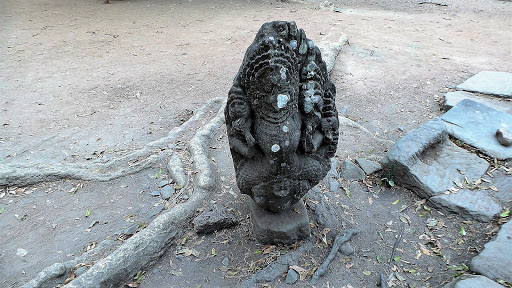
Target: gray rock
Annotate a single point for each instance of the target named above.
(470, 204)
(323, 213)
(369, 167)
(503, 183)
(155, 193)
(472, 281)
(489, 82)
(167, 192)
(453, 98)
(504, 137)
(428, 163)
(163, 183)
(495, 261)
(347, 249)
(20, 252)
(350, 171)
(80, 271)
(131, 230)
(292, 277)
(331, 180)
(284, 227)
(214, 218)
(476, 125)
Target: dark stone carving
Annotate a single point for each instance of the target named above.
(281, 117)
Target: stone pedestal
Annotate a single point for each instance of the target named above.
(285, 227)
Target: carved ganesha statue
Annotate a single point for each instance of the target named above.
(281, 117)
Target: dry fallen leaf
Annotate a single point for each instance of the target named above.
(302, 272)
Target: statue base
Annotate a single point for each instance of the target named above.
(285, 227)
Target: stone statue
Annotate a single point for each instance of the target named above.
(281, 118)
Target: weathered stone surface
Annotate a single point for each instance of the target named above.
(350, 171)
(284, 227)
(428, 163)
(489, 82)
(472, 281)
(495, 261)
(470, 204)
(502, 180)
(281, 117)
(369, 167)
(453, 98)
(476, 125)
(214, 218)
(504, 137)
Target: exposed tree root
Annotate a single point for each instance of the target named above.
(23, 174)
(341, 238)
(145, 247)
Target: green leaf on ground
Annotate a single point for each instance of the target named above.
(396, 202)
(2, 210)
(257, 251)
(379, 258)
(88, 213)
(367, 273)
(462, 231)
(505, 213)
(397, 258)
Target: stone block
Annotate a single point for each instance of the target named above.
(285, 227)
(470, 204)
(495, 261)
(472, 281)
(476, 124)
(453, 98)
(489, 82)
(427, 162)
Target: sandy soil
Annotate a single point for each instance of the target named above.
(81, 81)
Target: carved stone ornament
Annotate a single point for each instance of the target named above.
(281, 118)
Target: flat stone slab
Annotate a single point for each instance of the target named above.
(495, 261)
(472, 281)
(427, 162)
(350, 171)
(489, 82)
(470, 204)
(369, 167)
(285, 227)
(476, 125)
(453, 98)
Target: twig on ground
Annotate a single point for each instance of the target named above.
(382, 280)
(433, 3)
(341, 238)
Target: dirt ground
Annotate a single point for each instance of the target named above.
(83, 81)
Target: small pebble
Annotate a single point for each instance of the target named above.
(504, 137)
(155, 193)
(163, 183)
(225, 261)
(167, 192)
(292, 277)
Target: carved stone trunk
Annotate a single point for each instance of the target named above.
(281, 120)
